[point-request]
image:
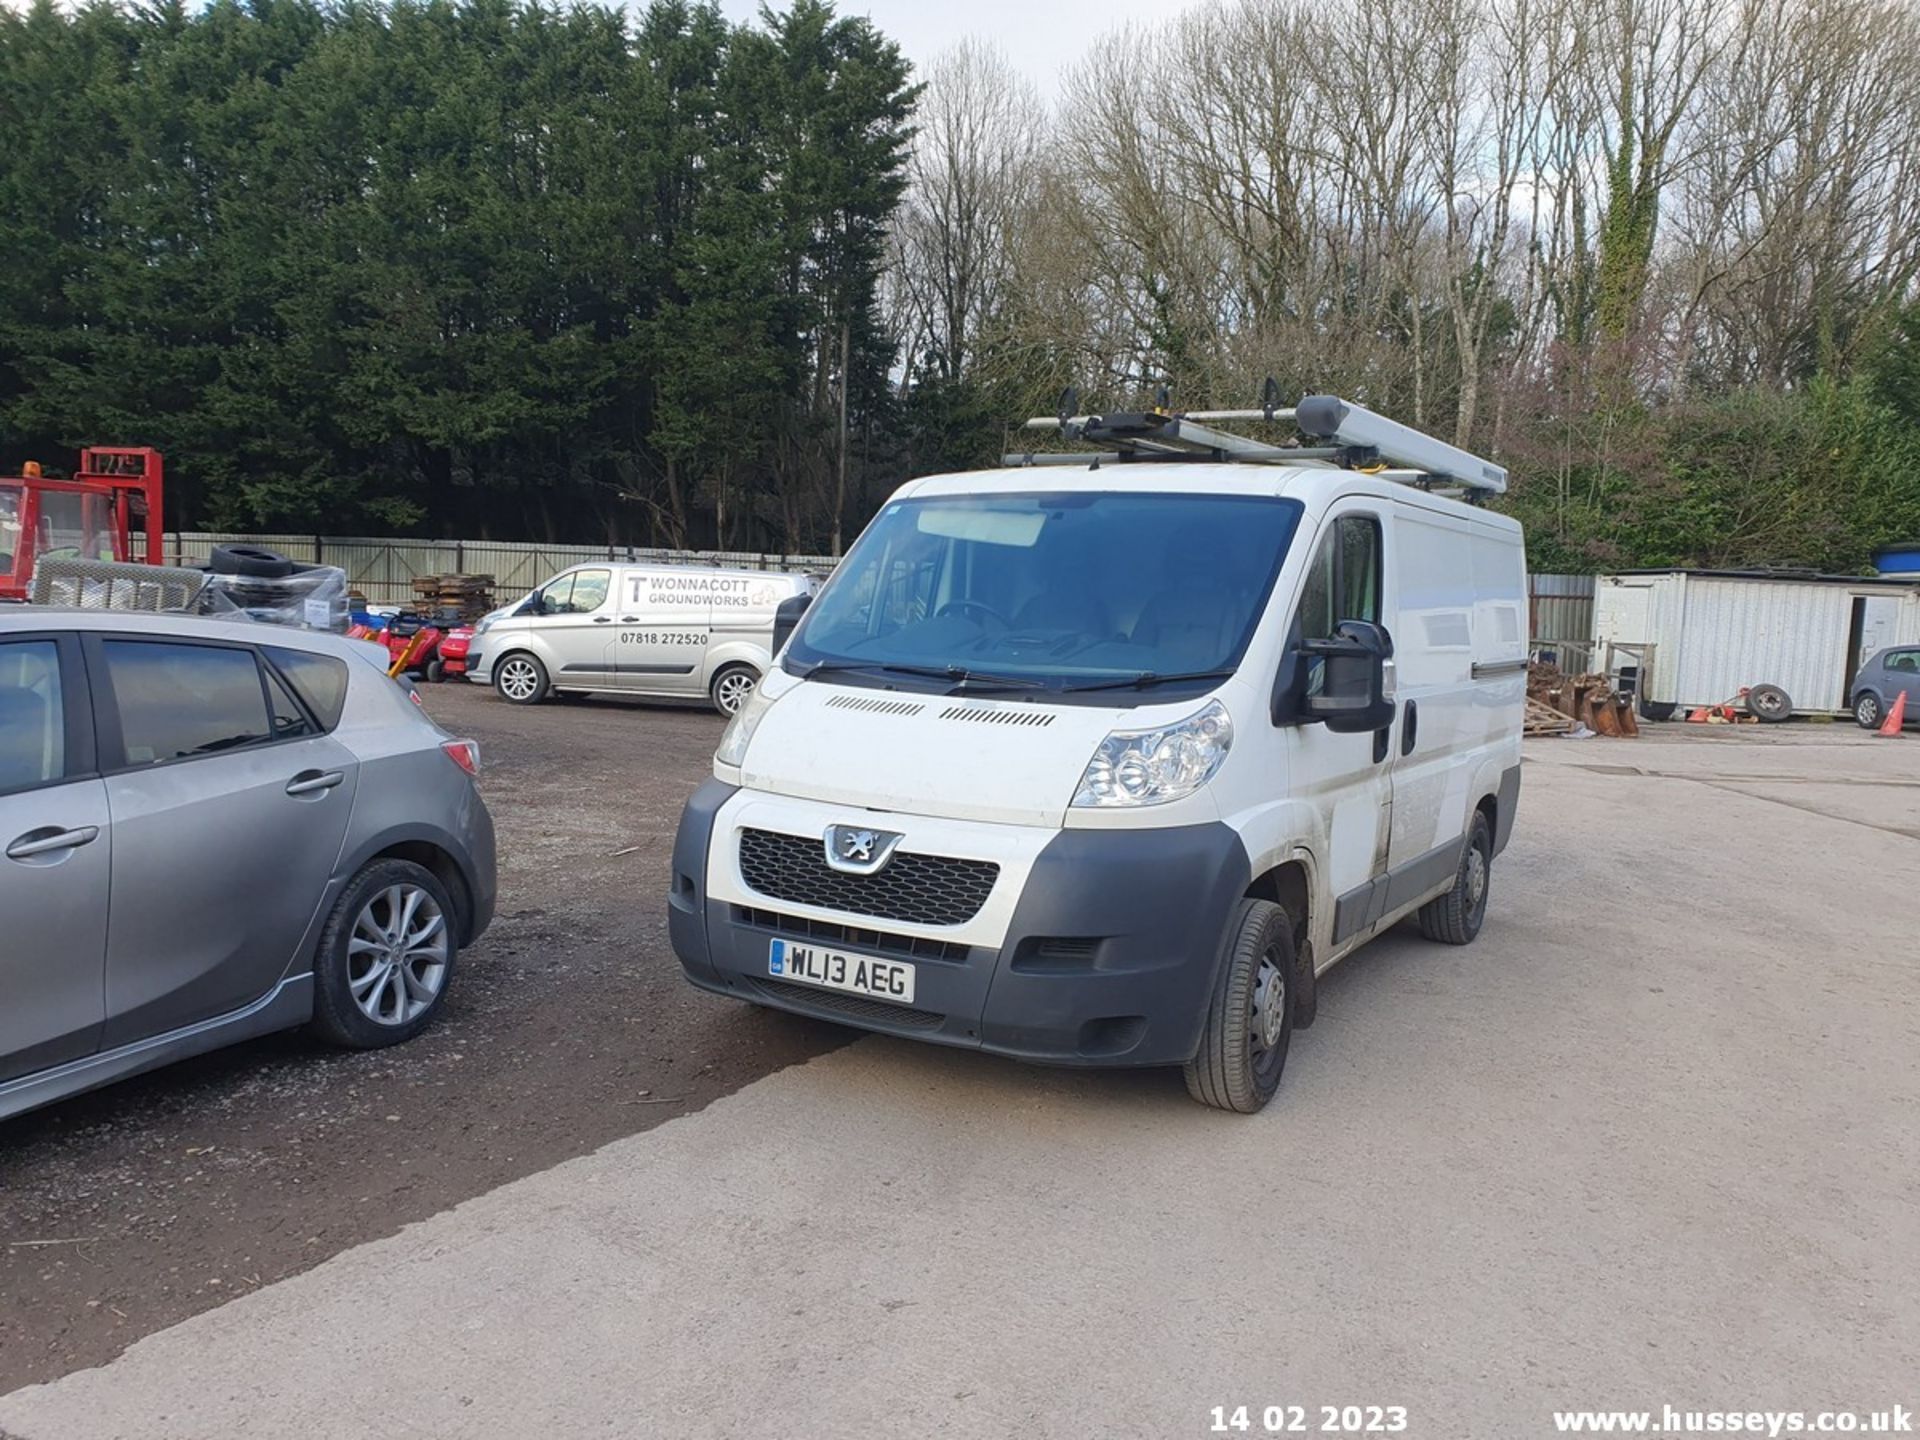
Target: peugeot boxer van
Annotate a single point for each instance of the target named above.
(1105, 759)
(668, 631)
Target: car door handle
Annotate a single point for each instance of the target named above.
(312, 782)
(1410, 728)
(46, 841)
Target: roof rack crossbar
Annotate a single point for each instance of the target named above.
(1344, 432)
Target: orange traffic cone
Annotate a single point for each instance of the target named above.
(1896, 717)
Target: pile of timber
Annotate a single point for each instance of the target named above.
(471, 596)
(1556, 699)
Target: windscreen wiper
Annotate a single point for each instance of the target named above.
(958, 674)
(1147, 679)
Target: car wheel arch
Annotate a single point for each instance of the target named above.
(429, 851)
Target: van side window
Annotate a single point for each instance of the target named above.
(1344, 583)
(589, 591)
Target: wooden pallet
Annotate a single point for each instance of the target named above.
(1543, 719)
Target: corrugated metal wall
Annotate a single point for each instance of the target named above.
(384, 569)
(1560, 616)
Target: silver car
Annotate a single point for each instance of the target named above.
(211, 830)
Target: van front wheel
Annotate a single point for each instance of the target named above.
(1249, 1024)
(1454, 918)
(520, 679)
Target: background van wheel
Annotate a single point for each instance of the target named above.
(731, 687)
(385, 957)
(1866, 710)
(1454, 918)
(520, 678)
(1249, 1024)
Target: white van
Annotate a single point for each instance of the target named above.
(1104, 764)
(656, 630)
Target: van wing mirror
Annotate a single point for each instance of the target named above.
(786, 617)
(1351, 696)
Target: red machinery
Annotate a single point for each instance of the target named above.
(115, 494)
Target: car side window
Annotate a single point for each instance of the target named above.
(1905, 661)
(320, 680)
(176, 701)
(33, 731)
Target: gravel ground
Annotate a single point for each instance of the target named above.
(568, 1026)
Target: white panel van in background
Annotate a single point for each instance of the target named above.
(667, 631)
(1104, 759)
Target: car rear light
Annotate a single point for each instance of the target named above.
(465, 754)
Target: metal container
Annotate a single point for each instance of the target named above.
(1699, 637)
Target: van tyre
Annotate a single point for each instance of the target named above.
(385, 957)
(1454, 918)
(520, 678)
(1249, 1020)
(731, 687)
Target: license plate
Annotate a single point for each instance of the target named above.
(837, 970)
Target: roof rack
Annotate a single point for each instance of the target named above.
(1344, 434)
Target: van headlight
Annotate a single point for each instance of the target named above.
(739, 732)
(1152, 767)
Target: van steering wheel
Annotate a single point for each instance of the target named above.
(960, 607)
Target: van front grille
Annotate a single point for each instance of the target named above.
(832, 932)
(920, 889)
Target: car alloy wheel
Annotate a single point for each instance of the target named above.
(518, 679)
(397, 956)
(1866, 710)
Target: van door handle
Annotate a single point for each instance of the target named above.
(47, 840)
(313, 782)
(603, 619)
(629, 619)
(1410, 728)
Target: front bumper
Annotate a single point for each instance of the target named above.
(1109, 958)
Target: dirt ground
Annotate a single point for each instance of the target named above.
(125, 1211)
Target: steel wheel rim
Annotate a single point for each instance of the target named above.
(733, 691)
(1267, 1012)
(517, 680)
(397, 955)
(1476, 877)
(1767, 704)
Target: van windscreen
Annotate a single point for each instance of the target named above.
(1062, 591)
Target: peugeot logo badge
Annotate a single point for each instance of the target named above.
(858, 850)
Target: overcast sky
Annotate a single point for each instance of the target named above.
(1042, 37)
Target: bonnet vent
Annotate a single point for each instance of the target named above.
(873, 705)
(983, 715)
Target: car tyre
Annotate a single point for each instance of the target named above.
(386, 957)
(731, 687)
(1249, 1019)
(1866, 710)
(520, 678)
(1454, 918)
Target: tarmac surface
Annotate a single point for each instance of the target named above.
(1650, 1140)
